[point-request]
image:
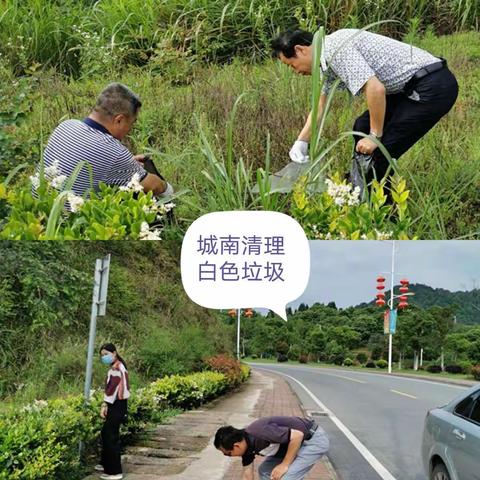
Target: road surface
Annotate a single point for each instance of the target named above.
(376, 420)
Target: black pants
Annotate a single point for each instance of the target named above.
(407, 120)
(111, 447)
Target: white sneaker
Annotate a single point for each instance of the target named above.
(98, 468)
(117, 476)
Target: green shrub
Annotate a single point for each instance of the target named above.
(466, 366)
(370, 364)
(282, 358)
(348, 362)
(40, 440)
(362, 357)
(381, 363)
(434, 369)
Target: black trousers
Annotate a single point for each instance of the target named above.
(111, 447)
(409, 119)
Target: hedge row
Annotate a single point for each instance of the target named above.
(40, 441)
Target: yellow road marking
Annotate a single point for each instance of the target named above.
(404, 394)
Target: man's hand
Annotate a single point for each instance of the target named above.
(279, 471)
(140, 158)
(366, 146)
(299, 152)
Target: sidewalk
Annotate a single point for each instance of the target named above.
(183, 449)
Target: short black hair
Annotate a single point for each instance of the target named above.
(286, 41)
(117, 99)
(226, 437)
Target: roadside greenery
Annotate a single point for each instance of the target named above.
(45, 303)
(354, 337)
(40, 440)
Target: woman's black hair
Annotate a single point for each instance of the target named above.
(286, 41)
(110, 347)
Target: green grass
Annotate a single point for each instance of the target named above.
(199, 145)
(406, 371)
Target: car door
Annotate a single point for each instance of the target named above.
(464, 438)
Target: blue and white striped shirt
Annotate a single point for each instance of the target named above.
(74, 141)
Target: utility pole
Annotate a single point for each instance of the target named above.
(390, 335)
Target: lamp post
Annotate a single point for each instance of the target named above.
(390, 316)
(248, 313)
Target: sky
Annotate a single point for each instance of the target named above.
(345, 272)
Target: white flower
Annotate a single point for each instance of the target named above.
(133, 185)
(53, 170)
(149, 234)
(35, 180)
(58, 181)
(75, 202)
(343, 193)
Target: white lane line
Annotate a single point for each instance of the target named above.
(371, 375)
(346, 378)
(404, 394)
(369, 457)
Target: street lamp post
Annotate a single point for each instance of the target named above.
(391, 312)
(248, 313)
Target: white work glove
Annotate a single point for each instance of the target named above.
(168, 192)
(299, 152)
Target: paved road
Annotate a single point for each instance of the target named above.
(385, 413)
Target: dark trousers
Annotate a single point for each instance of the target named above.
(407, 120)
(111, 447)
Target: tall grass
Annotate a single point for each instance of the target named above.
(51, 31)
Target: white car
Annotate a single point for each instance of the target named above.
(451, 439)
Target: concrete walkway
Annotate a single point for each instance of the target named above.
(183, 449)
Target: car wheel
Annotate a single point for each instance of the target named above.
(440, 472)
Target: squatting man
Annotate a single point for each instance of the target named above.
(96, 140)
(291, 446)
(407, 89)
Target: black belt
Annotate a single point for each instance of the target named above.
(423, 72)
(311, 432)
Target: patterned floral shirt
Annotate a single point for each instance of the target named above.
(354, 56)
(116, 385)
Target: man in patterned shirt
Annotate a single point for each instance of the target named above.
(407, 89)
(96, 140)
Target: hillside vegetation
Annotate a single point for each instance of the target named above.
(45, 303)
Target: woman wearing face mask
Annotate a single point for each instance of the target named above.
(114, 411)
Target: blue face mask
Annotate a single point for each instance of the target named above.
(107, 359)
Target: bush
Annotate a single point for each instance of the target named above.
(348, 362)
(434, 369)
(370, 364)
(362, 357)
(377, 351)
(476, 372)
(303, 358)
(382, 364)
(282, 358)
(226, 365)
(454, 369)
(466, 366)
(41, 440)
(254, 356)
(338, 359)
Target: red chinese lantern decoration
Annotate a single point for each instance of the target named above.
(249, 313)
(404, 282)
(403, 298)
(380, 295)
(403, 289)
(232, 312)
(402, 305)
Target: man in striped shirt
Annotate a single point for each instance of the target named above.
(96, 140)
